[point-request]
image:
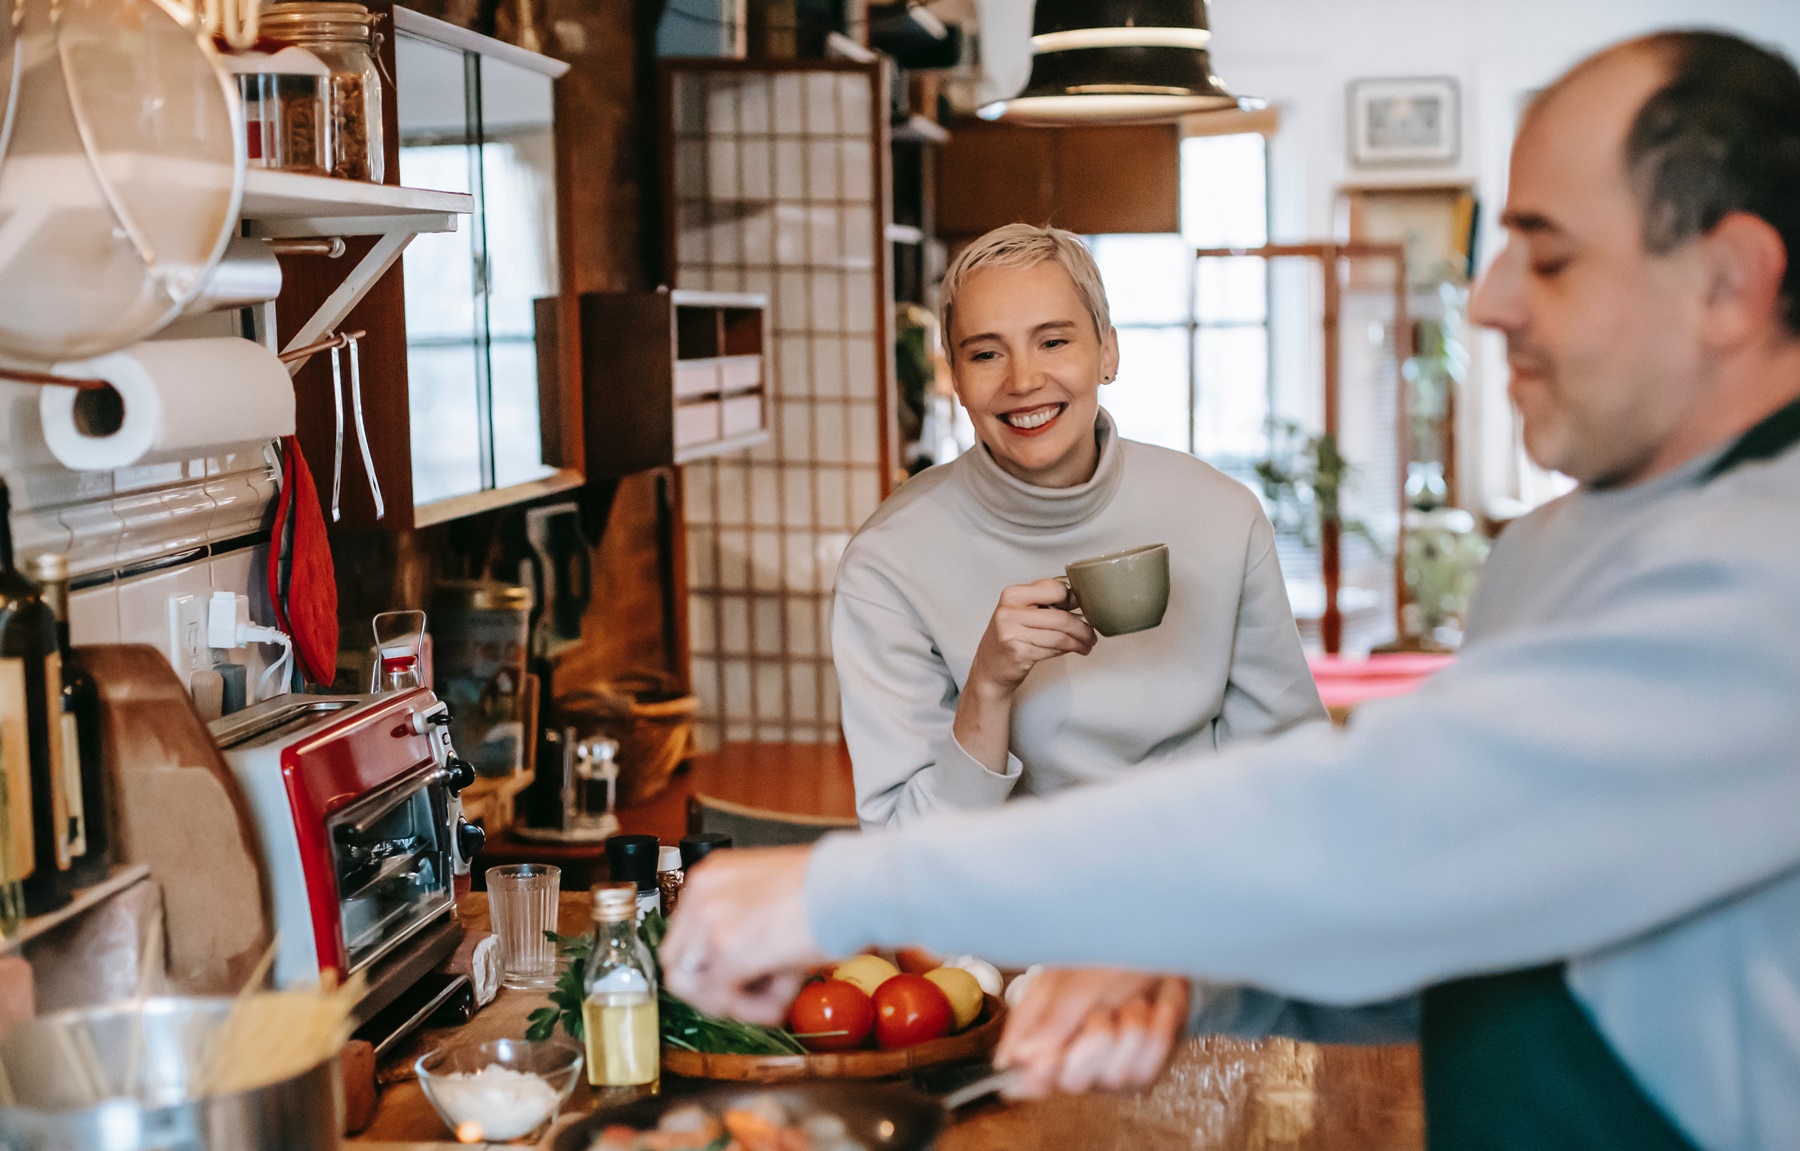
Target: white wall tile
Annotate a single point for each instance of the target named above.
(191, 512)
(757, 181)
(690, 169)
(794, 430)
(759, 238)
(802, 568)
(797, 495)
(832, 489)
(734, 624)
(771, 691)
(792, 306)
(858, 238)
(859, 303)
(146, 525)
(790, 234)
(35, 532)
(727, 280)
(236, 509)
(821, 104)
(94, 530)
(803, 627)
(803, 691)
(144, 604)
(790, 116)
(732, 492)
(765, 560)
(754, 104)
(857, 160)
(737, 689)
(94, 615)
(833, 439)
(765, 497)
(702, 636)
(855, 95)
(767, 634)
(793, 367)
(722, 168)
(828, 301)
(790, 169)
(828, 365)
(822, 240)
(822, 178)
(722, 105)
(865, 444)
(761, 281)
(727, 240)
(740, 732)
(697, 494)
(859, 367)
(734, 559)
(701, 569)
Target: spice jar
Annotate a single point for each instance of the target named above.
(283, 93)
(343, 37)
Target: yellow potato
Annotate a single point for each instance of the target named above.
(866, 971)
(963, 991)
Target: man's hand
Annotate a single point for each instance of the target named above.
(740, 943)
(1078, 1029)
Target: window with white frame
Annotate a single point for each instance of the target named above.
(1194, 334)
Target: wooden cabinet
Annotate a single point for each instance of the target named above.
(1116, 178)
(669, 377)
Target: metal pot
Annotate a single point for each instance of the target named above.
(51, 1063)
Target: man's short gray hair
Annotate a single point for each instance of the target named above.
(1021, 246)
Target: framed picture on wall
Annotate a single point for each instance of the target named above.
(1404, 122)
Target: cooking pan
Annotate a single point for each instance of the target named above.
(880, 1116)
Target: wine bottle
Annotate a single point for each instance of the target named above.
(18, 855)
(83, 774)
(29, 664)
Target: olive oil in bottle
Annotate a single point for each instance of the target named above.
(30, 742)
(618, 1016)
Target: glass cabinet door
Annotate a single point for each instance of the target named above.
(473, 123)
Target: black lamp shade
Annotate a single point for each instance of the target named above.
(1112, 61)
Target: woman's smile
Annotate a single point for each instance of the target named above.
(1034, 421)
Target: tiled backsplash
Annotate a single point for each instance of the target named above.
(779, 192)
(135, 533)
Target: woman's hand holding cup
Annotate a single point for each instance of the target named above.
(1032, 624)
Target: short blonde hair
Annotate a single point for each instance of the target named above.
(1021, 246)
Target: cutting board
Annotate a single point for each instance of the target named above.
(177, 808)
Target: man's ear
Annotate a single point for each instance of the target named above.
(1745, 262)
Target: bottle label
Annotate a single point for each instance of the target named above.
(59, 780)
(19, 848)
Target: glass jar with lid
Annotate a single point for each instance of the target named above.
(283, 93)
(343, 37)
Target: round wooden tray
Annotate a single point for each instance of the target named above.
(979, 1038)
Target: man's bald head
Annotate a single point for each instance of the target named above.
(1647, 285)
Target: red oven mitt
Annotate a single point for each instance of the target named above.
(302, 581)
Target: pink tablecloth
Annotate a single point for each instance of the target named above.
(1344, 683)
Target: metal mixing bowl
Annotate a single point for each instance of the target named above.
(162, 1046)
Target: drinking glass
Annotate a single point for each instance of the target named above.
(522, 904)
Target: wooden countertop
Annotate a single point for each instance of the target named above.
(1224, 1094)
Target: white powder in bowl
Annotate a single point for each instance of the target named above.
(495, 1103)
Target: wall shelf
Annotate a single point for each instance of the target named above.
(287, 204)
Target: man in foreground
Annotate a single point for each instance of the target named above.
(1581, 843)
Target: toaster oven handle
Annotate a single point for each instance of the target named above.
(399, 796)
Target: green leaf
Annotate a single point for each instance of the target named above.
(543, 1024)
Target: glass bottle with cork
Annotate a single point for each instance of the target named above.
(618, 1012)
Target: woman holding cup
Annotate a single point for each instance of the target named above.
(951, 630)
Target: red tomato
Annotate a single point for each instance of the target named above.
(910, 1009)
(831, 1005)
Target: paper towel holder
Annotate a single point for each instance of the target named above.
(51, 380)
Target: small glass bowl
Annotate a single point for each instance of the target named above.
(502, 1114)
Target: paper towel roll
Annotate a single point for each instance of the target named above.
(179, 398)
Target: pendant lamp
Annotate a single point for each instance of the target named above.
(1118, 61)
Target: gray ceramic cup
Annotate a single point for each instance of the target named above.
(1123, 592)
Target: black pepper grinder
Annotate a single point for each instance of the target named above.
(632, 859)
(694, 848)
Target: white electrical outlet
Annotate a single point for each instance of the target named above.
(187, 635)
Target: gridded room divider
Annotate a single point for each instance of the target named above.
(778, 186)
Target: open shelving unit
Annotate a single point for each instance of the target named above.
(287, 205)
(85, 900)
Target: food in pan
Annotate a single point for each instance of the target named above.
(760, 1123)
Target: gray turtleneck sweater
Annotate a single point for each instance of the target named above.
(920, 581)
